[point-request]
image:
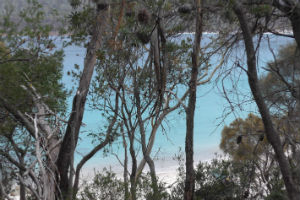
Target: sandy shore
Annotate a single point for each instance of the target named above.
(166, 167)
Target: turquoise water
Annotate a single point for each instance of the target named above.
(210, 109)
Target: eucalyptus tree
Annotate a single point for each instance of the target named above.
(280, 87)
(50, 166)
(190, 111)
(148, 70)
(249, 21)
(271, 133)
(147, 77)
(26, 59)
(245, 142)
(138, 84)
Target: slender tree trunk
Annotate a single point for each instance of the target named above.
(133, 168)
(22, 186)
(66, 153)
(151, 139)
(22, 191)
(130, 129)
(144, 146)
(97, 148)
(190, 111)
(125, 174)
(272, 135)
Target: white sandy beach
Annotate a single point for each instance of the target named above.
(166, 167)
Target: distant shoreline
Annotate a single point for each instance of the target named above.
(276, 32)
(283, 32)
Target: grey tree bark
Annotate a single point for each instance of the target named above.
(143, 142)
(271, 133)
(133, 167)
(190, 111)
(66, 154)
(125, 173)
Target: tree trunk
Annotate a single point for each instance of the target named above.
(133, 168)
(190, 111)
(66, 153)
(22, 192)
(125, 174)
(143, 142)
(49, 186)
(130, 129)
(295, 21)
(97, 148)
(272, 135)
(22, 186)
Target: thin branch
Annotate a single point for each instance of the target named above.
(280, 34)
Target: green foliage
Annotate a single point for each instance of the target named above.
(217, 179)
(145, 189)
(282, 78)
(278, 191)
(261, 10)
(223, 179)
(280, 86)
(278, 194)
(104, 186)
(75, 3)
(81, 23)
(28, 57)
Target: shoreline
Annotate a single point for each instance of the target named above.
(285, 31)
(166, 168)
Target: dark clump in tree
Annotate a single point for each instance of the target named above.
(143, 16)
(143, 37)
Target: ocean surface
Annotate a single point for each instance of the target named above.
(213, 111)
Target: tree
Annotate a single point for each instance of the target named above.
(290, 9)
(280, 88)
(104, 186)
(244, 139)
(54, 160)
(272, 135)
(245, 142)
(146, 87)
(281, 83)
(26, 61)
(219, 178)
(65, 157)
(190, 111)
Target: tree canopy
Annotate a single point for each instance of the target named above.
(137, 70)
